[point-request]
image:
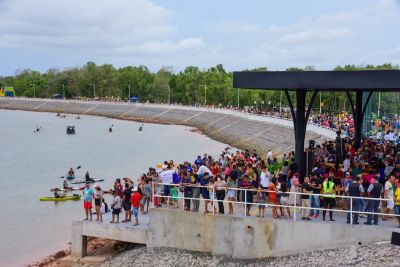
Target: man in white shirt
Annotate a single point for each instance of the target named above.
(203, 169)
(167, 179)
(269, 157)
(388, 194)
(265, 177)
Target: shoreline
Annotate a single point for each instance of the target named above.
(235, 130)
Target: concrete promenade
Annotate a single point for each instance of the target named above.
(238, 129)
(227, 235)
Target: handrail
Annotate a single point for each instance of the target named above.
(294, 206)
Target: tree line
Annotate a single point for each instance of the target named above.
(191, 86)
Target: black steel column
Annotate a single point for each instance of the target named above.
(300, 119)
(358, 120)
(358, 114)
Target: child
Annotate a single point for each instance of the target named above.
(174, 194)
(211, 189)
(116, 206)
(261, 201)
(273, 197)
(135, 199)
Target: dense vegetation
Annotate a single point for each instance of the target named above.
(191, 86)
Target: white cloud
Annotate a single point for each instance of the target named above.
(91, 26)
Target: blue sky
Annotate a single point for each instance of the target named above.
(45, 34)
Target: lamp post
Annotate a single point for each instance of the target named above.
(63, 90)
(169, 94)
(129, 90)
(205, 93)
(94, 90)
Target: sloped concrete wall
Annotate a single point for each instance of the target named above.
(224, 126)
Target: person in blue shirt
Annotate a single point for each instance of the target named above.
(198, 161)
(87, 201)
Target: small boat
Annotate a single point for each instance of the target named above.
(64, 198)
(70, 129)
(70, 177)
(89, 182)
(62, 116)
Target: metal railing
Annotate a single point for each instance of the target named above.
(295, 205)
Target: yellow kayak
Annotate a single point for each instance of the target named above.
(73, 197)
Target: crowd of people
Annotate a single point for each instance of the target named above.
(369, 175)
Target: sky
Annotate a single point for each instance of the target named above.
(44, 34)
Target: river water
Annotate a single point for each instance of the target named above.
(31, 163)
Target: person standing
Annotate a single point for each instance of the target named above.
(220, 186)
(147, 195)
(305, 199)
(354, 189)
(195, 193)
(316, 185)
(328, 188)
(87, 201)
(230, 193)
(397, 204)
(126, 202)
(375, 190)
(269, 157)
(247, 195)
(135, 199)
(388, 194)
(116, 206)
(98, 200)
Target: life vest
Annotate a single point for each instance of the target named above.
(328, 189)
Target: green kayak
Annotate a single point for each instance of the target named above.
(74, 197)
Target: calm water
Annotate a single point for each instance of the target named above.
(31, 163)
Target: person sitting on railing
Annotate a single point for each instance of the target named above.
(354, 189)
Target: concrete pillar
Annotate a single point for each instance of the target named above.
(78, 241)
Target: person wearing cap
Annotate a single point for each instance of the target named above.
(354, 189)
(87, 201)
(98, 196)
(135, 199)
(116, 206)
(375, 190)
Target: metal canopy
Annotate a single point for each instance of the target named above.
(368, 80)
(319, 81)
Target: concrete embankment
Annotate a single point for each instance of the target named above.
(245, 132)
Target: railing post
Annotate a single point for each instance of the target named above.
(213, 198)
(351, 210)
(183, 197)
(152, 192)
(245, 202)
(295, 204)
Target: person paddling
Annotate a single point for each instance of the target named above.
(87, 177)
(66, 185)
(71, 172)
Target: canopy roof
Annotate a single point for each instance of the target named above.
(368, 80)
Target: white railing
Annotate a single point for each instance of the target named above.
(295, 205)
(278, 121)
